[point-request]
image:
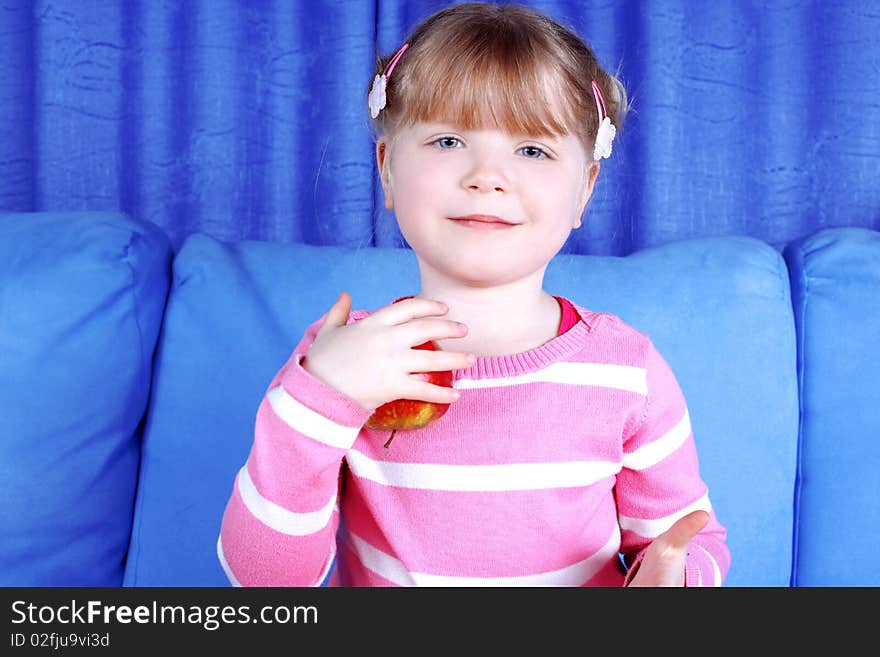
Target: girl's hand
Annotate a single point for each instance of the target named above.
(370, 360)
(663, 563)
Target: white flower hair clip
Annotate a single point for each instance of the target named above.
(376, 100)
(606, 132)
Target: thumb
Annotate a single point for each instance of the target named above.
(685, 528)
(338, 313)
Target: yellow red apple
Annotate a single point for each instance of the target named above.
(412, 413)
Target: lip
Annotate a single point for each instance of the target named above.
(482, 221)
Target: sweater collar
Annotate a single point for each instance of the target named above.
(526, 362)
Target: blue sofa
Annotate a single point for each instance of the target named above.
(130, 378)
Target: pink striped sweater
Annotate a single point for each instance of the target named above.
(551, 463)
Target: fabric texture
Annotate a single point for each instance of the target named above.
(249, 120)
(81, 303)
(570, 315)
(835, 278)
(509, 487)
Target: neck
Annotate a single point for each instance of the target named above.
(503, 319)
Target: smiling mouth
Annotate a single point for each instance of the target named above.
(482, 221)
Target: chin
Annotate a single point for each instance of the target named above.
(484, 276)
(476, 268)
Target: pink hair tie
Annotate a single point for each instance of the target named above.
(606, 132)
(376, 100)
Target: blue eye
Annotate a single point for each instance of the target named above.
(445, 143)
(533, 152)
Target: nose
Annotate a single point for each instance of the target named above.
(485, 177)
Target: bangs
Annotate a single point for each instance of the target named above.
(494, 85)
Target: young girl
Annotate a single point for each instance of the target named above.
(567, 442)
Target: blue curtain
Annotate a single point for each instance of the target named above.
(247, 120)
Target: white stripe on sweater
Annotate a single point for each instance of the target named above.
(476, 478)
(716, 571)
(623, 377)
(226, 569)
(657, 450)
(277, 517)
(652, 527)
(234, 581)
(392, 569)
(314, 425)
(329, 565)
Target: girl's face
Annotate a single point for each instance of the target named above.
(433, 174)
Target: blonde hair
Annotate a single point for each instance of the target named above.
(478, 65)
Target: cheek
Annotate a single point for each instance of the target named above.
(557, 197)
(573, 193)
(415, 187)
(413, 204)
(409, 181)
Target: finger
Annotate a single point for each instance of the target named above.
(424, 391)
(338, 313)
(439, 361)
(420, 331)
(685, 528)
(409, 309)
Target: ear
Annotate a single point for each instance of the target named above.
(590, 175)
(384, 165)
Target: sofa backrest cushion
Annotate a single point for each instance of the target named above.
(835, 282)
(81, 303)
(718, 309)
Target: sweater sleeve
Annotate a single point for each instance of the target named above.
(279, 525)
(660, 481)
